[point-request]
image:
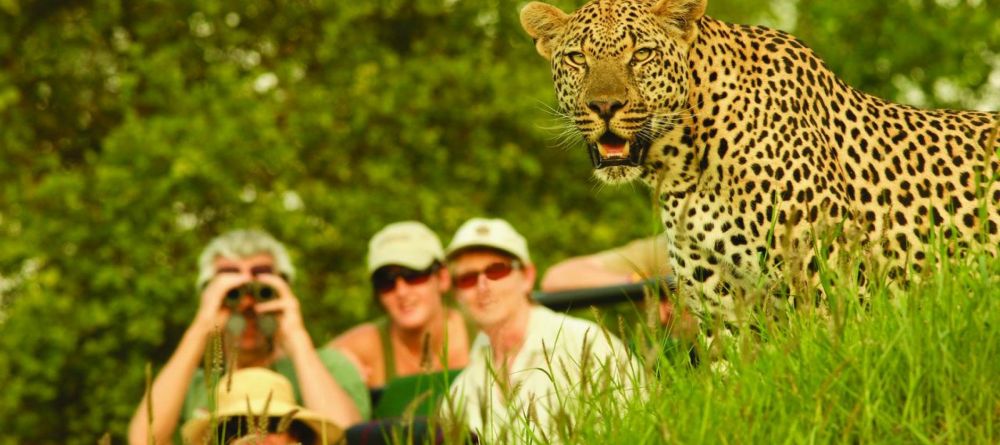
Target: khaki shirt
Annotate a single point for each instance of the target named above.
(646, 257)
(546, 376)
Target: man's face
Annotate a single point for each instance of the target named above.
(267, 439)
(415, 297)
(492, 300)
(252, 344)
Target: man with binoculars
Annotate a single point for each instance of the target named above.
(244, 283)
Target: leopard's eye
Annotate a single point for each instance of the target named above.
(641, 55)
(577, 58)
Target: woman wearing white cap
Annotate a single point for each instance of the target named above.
(420, 333)
(526, 354)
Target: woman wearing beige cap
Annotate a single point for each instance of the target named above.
(420, 333)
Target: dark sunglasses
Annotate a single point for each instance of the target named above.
(384, 279)
(493, 272)
(236, 427)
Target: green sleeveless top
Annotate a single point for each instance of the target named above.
(388, 354)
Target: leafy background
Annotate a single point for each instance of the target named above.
(133, 132)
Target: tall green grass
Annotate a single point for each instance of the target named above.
(905, 363)
(914, 361)
(916, 364)
(919, 367)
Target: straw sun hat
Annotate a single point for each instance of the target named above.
(255, 385)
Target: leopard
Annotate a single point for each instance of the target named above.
(750, 143)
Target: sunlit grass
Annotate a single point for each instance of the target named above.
(910, 361)
(906, 363)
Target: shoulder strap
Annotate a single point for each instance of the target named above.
(470, 327)
(388, 355)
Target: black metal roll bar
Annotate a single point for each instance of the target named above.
(601, 296)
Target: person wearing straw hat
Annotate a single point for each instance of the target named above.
(246, 296)
(257, 405)
(406, 267)
(527, 360)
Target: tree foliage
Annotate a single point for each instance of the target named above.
(133, 132)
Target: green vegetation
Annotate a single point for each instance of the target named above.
(916, 368)
(900, 366)
(132, 132)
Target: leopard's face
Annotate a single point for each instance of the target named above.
(621, 74)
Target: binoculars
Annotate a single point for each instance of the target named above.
(259, 292)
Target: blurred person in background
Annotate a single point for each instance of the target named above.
(245, 295)
(527, 359)
(257, 406)
(633, 262)
(637, 261)
(419, 332)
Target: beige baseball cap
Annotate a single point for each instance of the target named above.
(407, 243)
(493, 233)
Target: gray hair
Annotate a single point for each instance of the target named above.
(238, 244)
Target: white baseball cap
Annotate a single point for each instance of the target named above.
(492, 233)
(408, 243)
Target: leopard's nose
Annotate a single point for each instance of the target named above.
(606, 109)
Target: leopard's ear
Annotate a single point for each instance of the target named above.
(543, 22)
(681, 14)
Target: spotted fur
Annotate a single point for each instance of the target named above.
(751, 143)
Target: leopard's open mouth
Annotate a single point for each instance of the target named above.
(612, 150)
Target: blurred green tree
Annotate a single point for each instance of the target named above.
(133, 132)
(927, 53)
